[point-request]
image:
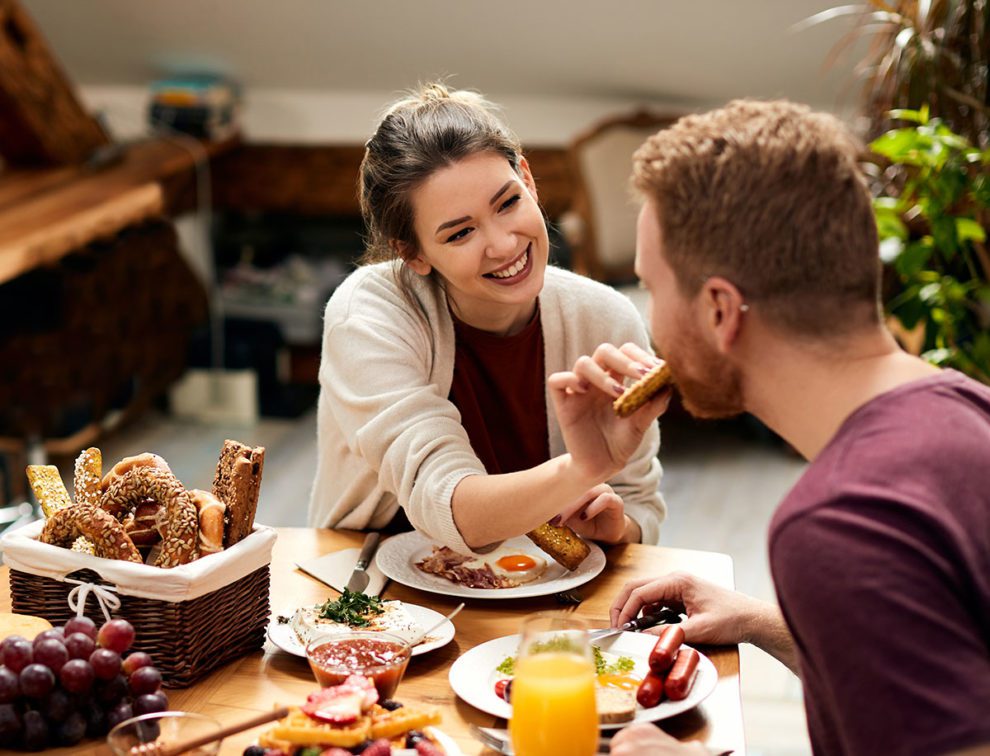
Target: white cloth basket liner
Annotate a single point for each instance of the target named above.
(22, 551)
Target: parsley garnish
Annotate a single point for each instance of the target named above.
(620, 666)
(351, 609)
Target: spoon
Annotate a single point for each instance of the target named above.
(415, 641)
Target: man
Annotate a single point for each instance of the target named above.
(758, 246)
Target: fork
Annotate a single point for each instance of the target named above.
(568, 598)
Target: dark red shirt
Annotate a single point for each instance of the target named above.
(499, 388)
(881, 559)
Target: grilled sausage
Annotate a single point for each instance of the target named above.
(663, 653)
(650, 691)
(681, 676)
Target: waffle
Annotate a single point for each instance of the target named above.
(391, 724)
(298, 729)
(642, 391)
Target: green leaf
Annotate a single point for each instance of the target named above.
(968, 229)
(944, 235)
(914, 116)
(938, 356)
(890, 225)
(883, 204)
(913, 258)
(902, 146)
(930, 294)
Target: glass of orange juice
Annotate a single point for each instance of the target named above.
(553, 690)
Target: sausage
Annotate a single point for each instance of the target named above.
(663, 653)
(681, 676)
(650, 691)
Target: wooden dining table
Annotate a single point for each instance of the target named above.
(268, 677)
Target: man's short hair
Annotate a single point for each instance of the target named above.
(769, 195)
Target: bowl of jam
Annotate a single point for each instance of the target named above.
(383, 657)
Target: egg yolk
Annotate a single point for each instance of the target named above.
(626, 682)
(516, 563)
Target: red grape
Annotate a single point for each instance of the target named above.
(106, 663)
(36, 681)
(145, 680)
(35, 736)
(18, 655)
(10, 725)
(79, 646)
(52, 653)
(117, 635)
(150, 702)
(9, 641)
(77, 676)
(57, 706)
(55, 633)
(135, 661)
(119, 713)
(72, 730)
(83, 625)
(111, 692)
(10, 688)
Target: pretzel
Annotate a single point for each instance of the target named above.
(48, 488)
(642, 391)
(148, 476)
(141, 524)
(211, 514)
(107, 535)
(88, 471)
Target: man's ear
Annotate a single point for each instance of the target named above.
(415, 262)
(724, 309)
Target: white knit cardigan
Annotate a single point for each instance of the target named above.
(388, 434)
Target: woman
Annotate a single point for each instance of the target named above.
(433, 400)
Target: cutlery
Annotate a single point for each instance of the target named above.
(498, 739)
(664, 616)
(429, 630)
(359, 578)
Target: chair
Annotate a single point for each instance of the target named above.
(601, 225)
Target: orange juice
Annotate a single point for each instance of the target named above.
(553, 706)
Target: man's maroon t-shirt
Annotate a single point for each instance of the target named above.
(881, 559)
(499, 388)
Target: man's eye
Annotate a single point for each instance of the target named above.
(459, 235)
(510, 202)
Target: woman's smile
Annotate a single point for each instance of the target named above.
(515, 271)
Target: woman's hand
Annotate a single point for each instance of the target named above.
(600, 443)
(644, 739)
(599, 515)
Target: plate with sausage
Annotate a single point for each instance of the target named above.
(480, 678)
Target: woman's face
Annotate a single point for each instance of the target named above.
(480, 228)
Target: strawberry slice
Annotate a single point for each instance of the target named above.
(341, 704)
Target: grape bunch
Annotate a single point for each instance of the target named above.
(73, 682)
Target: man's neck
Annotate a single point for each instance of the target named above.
(805, 393)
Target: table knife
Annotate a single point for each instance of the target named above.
(359, 578)
(663, 617)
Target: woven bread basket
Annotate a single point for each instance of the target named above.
(200, 621)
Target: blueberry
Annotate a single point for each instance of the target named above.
(254, 751)
(389, 705)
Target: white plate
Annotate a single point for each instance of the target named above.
(398, 555)
(473, 676)
(283, 636)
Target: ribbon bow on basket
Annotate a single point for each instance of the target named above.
(106, 597)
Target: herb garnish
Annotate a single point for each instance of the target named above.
(351, 609)
(620, 666)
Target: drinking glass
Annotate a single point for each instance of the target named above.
(149, 734)
(553, 690)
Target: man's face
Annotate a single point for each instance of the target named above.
(709, 385)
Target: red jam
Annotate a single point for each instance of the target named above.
(381, 660)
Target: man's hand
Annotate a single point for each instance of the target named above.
(599, 515)
(600, 443)
(643, 739)
(715, 615)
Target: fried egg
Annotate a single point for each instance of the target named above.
(517, 566)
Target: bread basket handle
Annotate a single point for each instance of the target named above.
(106, 597)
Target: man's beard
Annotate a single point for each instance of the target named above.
(709, 386)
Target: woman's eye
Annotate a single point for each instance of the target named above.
(510, 202)
(459, 235)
